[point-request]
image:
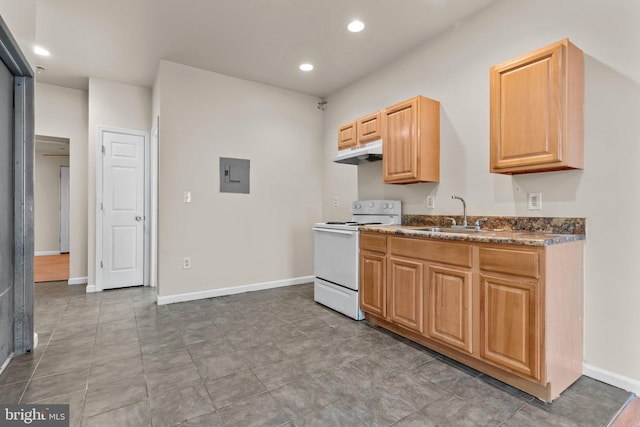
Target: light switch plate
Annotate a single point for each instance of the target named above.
(187, 197)
(535, 201)
(431, 202)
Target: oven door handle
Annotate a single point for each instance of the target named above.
(326, 230)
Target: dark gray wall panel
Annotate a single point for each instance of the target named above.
(6, 212)
(23, 135)
(6, 324)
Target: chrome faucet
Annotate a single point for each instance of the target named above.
(464, 209)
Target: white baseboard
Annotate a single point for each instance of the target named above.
(46, 253)
(6, 362)
(210, 293)
(617, 380)
(91, 289)
(78, 280)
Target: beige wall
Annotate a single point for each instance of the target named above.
(62, 112)
(454, 69)
(235, 239)
(47, 202)
(117, 105)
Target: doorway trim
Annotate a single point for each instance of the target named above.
(23, 142)
(153, 203)
(65, 224)
(101, 130)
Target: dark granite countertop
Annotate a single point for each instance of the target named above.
(508, 236)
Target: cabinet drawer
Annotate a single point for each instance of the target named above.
(443, 252)
(373, 242)
(510, 261)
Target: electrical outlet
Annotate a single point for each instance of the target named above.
(186, 263)
(187, 197)
(535, 201)
(431, 202)
(335, 201)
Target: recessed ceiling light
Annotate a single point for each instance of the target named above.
(355, 26)
(306, 67)
(38, 50)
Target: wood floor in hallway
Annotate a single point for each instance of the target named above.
(51, 268)
(630, 415)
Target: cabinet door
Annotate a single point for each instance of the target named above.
(406, 293)
(373, 293)
(450, 307)
(510, 328)
(370, 128)
(536, 111)
(347, 136)
(400, 159)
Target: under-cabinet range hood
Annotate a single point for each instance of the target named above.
(361, 154)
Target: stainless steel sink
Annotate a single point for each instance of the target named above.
(452, 230)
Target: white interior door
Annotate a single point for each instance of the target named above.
(122, 210)
(64, 209)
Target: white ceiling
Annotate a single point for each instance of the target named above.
(259, 40)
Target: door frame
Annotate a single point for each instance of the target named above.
(64, 220)
(153, 203)
(23, 143)
(99, 199)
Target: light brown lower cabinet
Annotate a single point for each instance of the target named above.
(511, 311)
(373, 277)
(510, 324)
(450, 306)
(406, 285)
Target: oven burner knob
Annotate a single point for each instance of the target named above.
(389, 206)
(371, 204)
(357, 206)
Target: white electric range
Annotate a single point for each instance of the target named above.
(336, 247)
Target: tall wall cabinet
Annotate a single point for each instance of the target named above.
(411, 141)
(537, 118)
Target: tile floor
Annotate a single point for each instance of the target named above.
(267, 358)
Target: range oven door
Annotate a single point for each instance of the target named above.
(335, 256)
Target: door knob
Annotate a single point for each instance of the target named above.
(138, 218)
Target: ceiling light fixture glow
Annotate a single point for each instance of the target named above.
(38, 50)
(306, 67)
(355, 26)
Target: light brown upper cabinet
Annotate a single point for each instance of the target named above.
(537, 111)
(347, 136)
(361, 131)
(411, 141)
(369, 128)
